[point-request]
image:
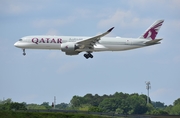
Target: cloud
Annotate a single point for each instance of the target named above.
(62, 21)
(175, 4)
(172, 24)
(42, 23)
(123, 19)
(152, 49)
(131, 17)
(18, 7)
(149, 4)
(29, 98)
(162, 92)
(118, 17)
(55, 54)
(66, 67)
(166, 95)
(52, 32)
(83, 13)
(176, 59)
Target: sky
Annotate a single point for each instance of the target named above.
(43, 74)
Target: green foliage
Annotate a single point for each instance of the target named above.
(176, 109)
(119, 111)
(17, 106)
(9, 105)
(149, 108)
(118, 102)
(176, 102)
(76, 101)
(168, 109)
(109, 104)
(83, 107)
(6, 101)
(62, 106)
(94, 109)
(46, 105)
(35, 106)
(5, 114)
(158, 112)
(137, 104)
(158, 104)
(123, 103)
(145, 97)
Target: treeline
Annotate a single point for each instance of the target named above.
(123, 103)
(8, 105)
(118, 103)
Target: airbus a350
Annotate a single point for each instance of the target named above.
(73, 45)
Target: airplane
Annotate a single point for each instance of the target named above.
(73, 45)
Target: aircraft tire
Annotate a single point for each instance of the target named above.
(86, 56)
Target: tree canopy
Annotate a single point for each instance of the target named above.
(118, 103)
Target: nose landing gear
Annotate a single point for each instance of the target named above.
(88, 55)
(24, 53)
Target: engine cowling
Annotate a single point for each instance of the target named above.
(69, 48)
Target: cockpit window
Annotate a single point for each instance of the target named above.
(20, 39)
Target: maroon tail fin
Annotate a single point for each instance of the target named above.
(152, 31)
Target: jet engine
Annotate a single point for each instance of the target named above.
(69, 48)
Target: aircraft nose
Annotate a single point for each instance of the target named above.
(16, 44)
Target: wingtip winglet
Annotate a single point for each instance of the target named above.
(110, 29)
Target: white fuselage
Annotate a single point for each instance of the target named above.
(54, 43)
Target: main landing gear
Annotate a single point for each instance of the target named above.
(24, 53)
(88, 55)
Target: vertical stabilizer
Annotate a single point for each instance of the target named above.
(152, 31)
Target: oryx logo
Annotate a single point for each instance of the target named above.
(152, 32)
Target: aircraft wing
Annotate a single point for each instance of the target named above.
(90, 42)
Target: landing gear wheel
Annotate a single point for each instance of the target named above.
(88, 55)
(91, 56)
(24, 53)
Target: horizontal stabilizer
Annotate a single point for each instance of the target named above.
(151, 42)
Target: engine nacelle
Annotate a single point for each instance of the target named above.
(69, 48)
(72, 53)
